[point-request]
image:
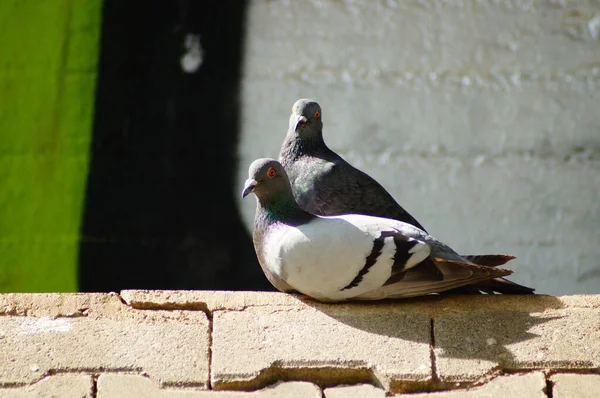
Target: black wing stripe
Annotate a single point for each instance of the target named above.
(371, 258)
(403, 246)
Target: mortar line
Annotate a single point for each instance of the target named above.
(434, 376)
(549, 386)
(95, 385)
(209, 316)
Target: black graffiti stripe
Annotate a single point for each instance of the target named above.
(158, 212)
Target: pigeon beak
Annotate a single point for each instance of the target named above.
(249, 186)
(302, 120)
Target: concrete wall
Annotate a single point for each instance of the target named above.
(481, 117)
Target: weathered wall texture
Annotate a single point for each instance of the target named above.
(247, 344)
(481, 117)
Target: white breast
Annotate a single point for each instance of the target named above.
(323, 257)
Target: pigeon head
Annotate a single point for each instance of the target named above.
(267, 179)
(306, 118)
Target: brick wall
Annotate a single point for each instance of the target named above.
(239, 344)
(480, 117)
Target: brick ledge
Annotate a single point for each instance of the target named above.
(247, 341)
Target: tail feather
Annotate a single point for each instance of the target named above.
(456, 274)
(503, 286)
(493, 286)
(490, 260)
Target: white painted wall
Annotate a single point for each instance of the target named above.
(482, 117)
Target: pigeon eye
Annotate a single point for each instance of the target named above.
(317, 114)
(271, 172)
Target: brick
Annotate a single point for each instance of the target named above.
(324, 344)
(581, 301)
(575, 385)
(170, 346)
(469, 346)
(357, 391)
(532, 385)
(215, 300)
(60, 304)
(65, 385)
(454, 304)
(206, 300)
(127, 386)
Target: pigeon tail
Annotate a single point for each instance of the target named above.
(489, 260)
(456, 274)
(502, 286)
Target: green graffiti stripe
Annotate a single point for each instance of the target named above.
(48, 62)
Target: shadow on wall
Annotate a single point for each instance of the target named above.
(159, 210)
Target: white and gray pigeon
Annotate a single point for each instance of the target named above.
(325, 184)
(348, 257)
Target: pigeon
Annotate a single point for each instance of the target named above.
(351, 256)
(325, 184)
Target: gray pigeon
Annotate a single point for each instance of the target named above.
(325, 184)
(348, 257)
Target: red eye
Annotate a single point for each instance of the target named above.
(271, 172)
(317, 114)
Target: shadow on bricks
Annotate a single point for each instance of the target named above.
(422, 344)
(488, 332)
